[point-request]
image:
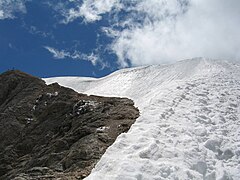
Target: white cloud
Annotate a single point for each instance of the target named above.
(89, 10)
(56, 53)
(8, 8)
(169, 32)
(62, 54)
(1, 14)
(161, 31)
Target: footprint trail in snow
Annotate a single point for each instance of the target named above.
(189, 126)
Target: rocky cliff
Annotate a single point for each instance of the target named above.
(49, 131)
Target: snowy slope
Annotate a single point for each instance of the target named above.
(189, 126)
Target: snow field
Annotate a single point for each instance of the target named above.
(189, 126)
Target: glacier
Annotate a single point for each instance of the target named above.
(189, 127)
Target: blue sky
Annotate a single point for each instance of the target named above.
(24, 38)
(96, 37)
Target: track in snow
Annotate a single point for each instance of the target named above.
(189, 126)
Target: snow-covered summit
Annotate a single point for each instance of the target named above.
(189, 126)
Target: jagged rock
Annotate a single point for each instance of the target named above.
(54, 132)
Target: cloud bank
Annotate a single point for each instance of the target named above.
(8, 8)
(162, 31)
(145, 32)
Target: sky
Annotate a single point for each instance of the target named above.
(96, 37)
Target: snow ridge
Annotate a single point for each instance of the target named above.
(189, 126)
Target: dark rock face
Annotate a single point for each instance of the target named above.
(49, 132)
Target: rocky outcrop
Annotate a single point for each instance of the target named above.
(49, 132)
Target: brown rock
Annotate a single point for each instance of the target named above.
(51, 131)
